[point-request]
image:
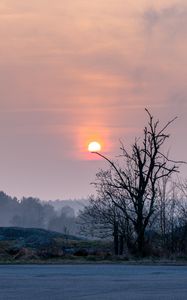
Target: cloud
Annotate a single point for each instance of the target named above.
(172, 19)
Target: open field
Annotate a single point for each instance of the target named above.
(92, 282)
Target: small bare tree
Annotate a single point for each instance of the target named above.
(103, 218)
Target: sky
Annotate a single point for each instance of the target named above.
(76, 71)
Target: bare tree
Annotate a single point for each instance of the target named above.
(164, 208)
(105, 214)
(136, 178)
(182, 187)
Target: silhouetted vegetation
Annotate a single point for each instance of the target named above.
(137, 204)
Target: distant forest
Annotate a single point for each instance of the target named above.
(58, 215)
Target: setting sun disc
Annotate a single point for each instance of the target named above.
(94, 147)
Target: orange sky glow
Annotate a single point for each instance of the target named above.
(72, 72)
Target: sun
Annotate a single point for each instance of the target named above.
(94, 147)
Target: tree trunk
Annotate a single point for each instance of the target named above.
(116, 239)
(141, 241)
(141, 244)
(121, 244)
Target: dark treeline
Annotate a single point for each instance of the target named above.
(30, 212)
(165, 234)
(100, 218)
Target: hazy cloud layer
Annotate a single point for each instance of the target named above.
(70, 71)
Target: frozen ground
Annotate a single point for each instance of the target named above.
(94, 282)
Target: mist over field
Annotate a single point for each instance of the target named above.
(57, 215)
